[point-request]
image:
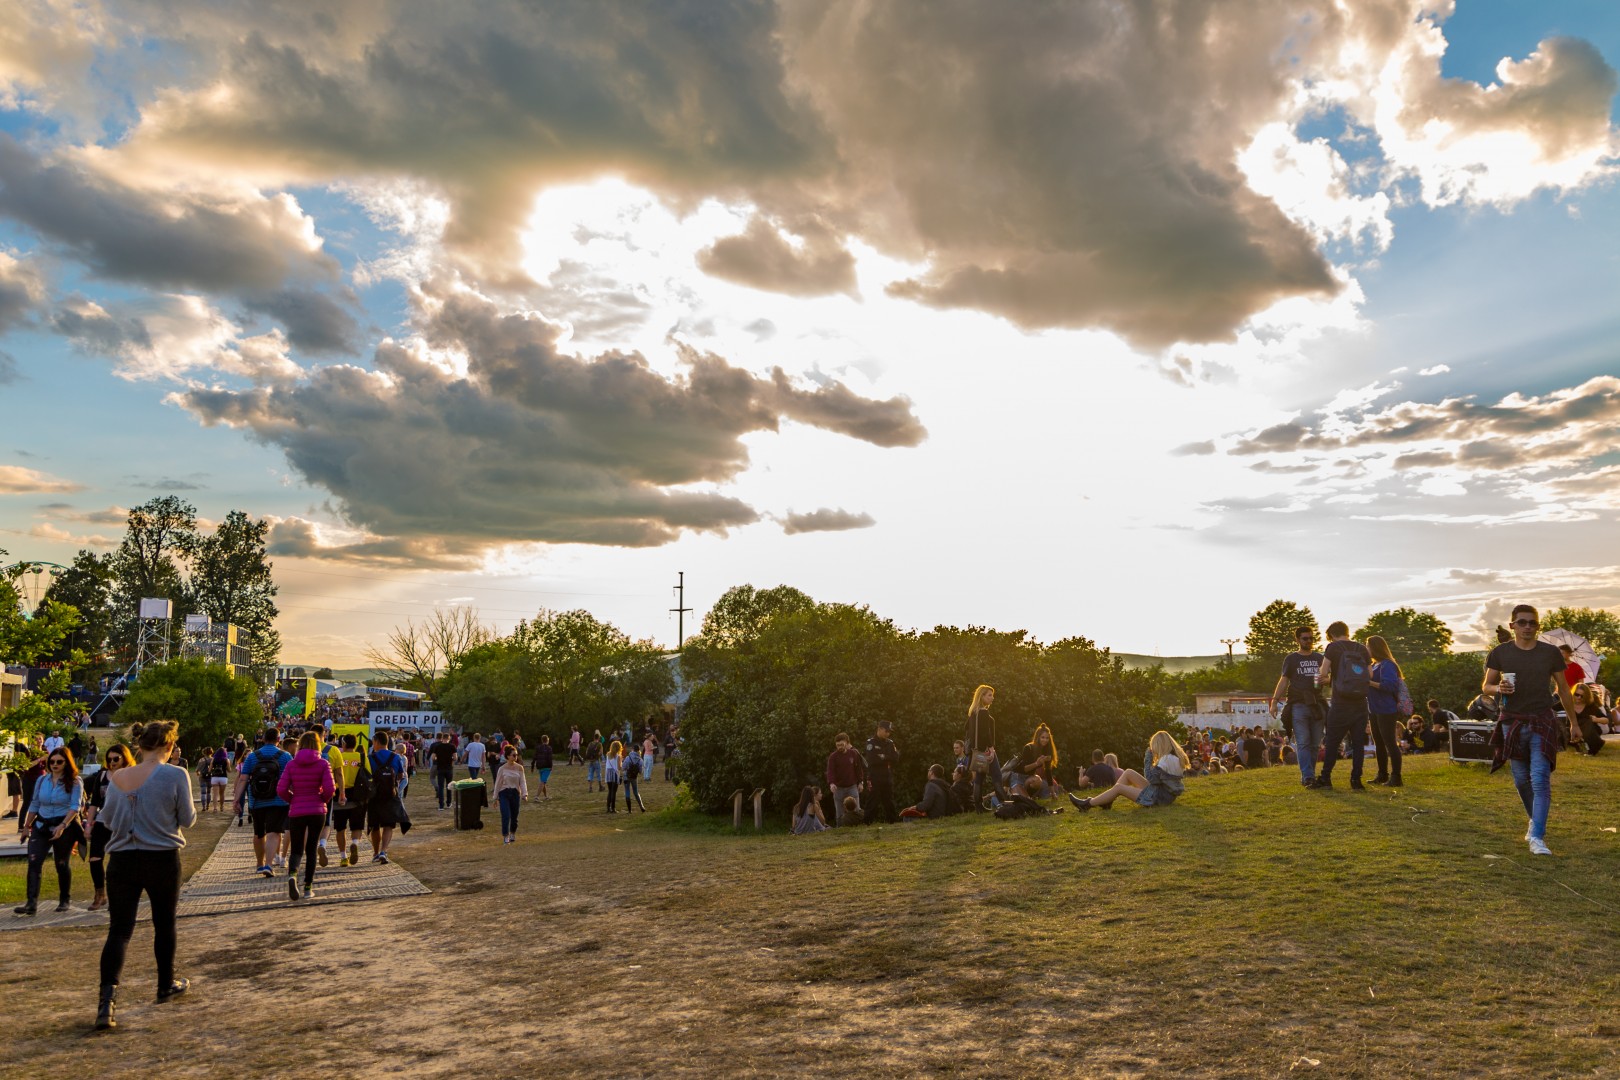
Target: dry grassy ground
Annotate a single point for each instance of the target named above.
(1252, 930)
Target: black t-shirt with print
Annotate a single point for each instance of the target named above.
(1533, 669)
(1300, 671)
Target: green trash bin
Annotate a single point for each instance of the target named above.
(467, 801)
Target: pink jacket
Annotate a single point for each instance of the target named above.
(306, 783)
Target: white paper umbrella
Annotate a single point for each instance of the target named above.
(1585, 655)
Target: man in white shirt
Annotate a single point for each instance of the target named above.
(54, 742)
(474, 755)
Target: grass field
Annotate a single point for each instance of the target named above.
(1252, 930)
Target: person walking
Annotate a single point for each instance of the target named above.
(593, 764)
(147, 810)
(116, 757)
(354, 792)
(610, 769)
(980, 743)
(472, 755)
(442, 765)
(631, 773)
(256, 779)
(1383, 704)
(219, 778)
(386, 811)
(511, 786)
(573, 745)
(1303, 712)
(52, 826)
(543, 762)
(1528, 675)
(1347, 670)
(308, 787)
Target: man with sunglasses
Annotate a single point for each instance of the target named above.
(1527, 674)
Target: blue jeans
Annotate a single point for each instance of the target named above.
(508, 800)
(1308, 727)
(1346, 716)
(593, 771)
(473, 771)
(1533, 778)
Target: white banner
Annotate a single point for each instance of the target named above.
(431, 722)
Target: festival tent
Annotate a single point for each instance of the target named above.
(352, 690)
(394, 692)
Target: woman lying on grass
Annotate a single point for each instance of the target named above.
(1164, 765)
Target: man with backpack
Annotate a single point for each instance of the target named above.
(256, 780)
(1347, 669)
(354, 792)
(387, 770)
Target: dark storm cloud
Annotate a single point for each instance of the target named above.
(533, 444)
(168, 240)
(315, 322)
(826, 520)
(762, 258)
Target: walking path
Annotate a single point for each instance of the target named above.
(226, 883)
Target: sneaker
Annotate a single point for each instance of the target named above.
(1308, 782)
(292, 889)
(382, 857)
(309, 893)
(265, 871)
(320, 856)
(1539, 847)
(1527, 829)
(354, 854)
(279, 861)
(1323, 783)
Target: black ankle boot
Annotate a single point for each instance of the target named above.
(29, 908)
(175, 988)
(106, 1007)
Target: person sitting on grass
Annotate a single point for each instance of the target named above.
(850, 813)
(962, 785)
(807, 814)
(1588, 714)
(937, 800)
(1036, 758)
(1021, 804)
(1157, 785)
(1099, 774)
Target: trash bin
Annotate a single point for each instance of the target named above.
(467, 801)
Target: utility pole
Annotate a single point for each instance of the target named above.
(1229, 642)
(680, 609)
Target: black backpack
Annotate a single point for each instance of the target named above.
(360, 790)
(632, 768)
(383, 780)
(1354, 672)
(266, 772)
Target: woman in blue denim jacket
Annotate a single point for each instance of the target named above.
(52, 827)
(1159, 782)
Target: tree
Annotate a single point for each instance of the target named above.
(31, 641)
(413, 655)
(736, 621)
(1601, 628)
(230, 582)
(160, 537)
(1412, 635)
(1451, 679)
(1271, 631)
(210, 703)
(87, 586)
(323, 673)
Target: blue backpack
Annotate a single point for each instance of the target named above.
(1354, 676)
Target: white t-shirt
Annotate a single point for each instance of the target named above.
(475, 755)
(55, 742)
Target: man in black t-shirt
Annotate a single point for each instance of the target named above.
(442, 757)
(1099, 774)
(1529, 677)
(1346, 666)
(1302, 715)
(1254, 750)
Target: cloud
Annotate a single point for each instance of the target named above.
(826, 520)
(17, 480)
(171, 337)
(297, 538)
(112, 515)
(22, 291)
(482, 432)
(763, 258)
(1194, 449)
(1438, 369)
(56, 535)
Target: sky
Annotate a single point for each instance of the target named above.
(1118, 320)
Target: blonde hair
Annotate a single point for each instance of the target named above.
(978, 696)
(309, 740)
(1164, 743)
(156, 735)
(615, 749)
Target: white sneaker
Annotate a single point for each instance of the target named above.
(1539, 847)
(279, 861)
(1527, 833)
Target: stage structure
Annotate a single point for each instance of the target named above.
(216, 642)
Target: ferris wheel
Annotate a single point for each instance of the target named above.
(32, 580)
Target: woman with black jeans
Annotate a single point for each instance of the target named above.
(117, 757)
(52, 827)
(1383, 699)
(147, 807)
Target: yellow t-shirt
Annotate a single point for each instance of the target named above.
(346, 762)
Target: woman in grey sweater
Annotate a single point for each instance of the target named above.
(147, 807)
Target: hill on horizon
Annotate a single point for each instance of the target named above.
(1173, 664)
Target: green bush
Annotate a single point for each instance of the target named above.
(209, 702)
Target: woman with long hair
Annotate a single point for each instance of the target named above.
(807, 816)
(511, 786)
(1383, 699)
(1157, 784)
(1038, 757)
(148, 807)
(1588, 715)
(219, 774)
(307, 786)
(116, 757)
(613, 760)
(52, 827)
(981, 747)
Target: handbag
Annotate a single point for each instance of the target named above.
(979, 762)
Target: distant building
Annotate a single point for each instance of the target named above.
(1228, 709)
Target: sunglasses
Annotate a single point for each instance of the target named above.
(58, 761)
(1526, 622)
